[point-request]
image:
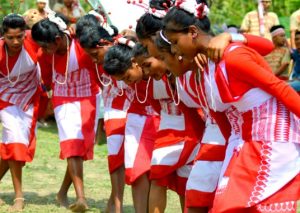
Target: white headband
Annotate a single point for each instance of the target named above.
(161, 33)
(126, 42)
(277, 32)
(41, 1)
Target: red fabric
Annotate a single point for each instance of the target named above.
(116, 161)
(82, 147)
(20, 152)
(253, 71)
(211, 152)
(72, 148)
(30, 46)
(144, 153)
(262, 45)
(243, 172)
(194, 198)
(141, 108)
(84, 62)
(174, 183)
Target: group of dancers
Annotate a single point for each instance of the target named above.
(184, 110)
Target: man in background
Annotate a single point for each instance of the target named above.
(260, 21)
(279, 58)
(34, 15)
(71, 9)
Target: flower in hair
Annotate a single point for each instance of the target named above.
(158, 13)
(202, 10)
(58, 21)
(198, 10)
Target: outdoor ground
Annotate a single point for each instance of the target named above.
(42, 179)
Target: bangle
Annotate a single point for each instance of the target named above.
(237, 37)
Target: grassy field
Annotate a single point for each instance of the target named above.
(42, 179)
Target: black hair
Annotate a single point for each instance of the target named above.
(13, 21)
(149, 24)
(115, 29)
(161, 4)
(275, 27)
(85, 21)
(46, 31)
(117, 60)
(91, 36)
(297, 32)
(140, 50)
(179, 20)
(232, 25)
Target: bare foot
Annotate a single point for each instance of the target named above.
(62, 200)
(18, 205)
(79, 206)
(110, 207)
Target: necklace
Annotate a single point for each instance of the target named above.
(136, 92)
(99, 78)
(7, 68)
(67, 64)
(122, 90)
(172, 94)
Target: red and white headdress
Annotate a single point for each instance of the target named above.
(198, 10)
(125, 41)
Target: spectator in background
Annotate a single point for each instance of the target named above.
(71, 9)
(279, 58)
(296, 58)
(32, 16)
(294, 26)
(251, 21)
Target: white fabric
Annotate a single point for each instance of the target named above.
(26, 76)
(114, 144)
(167, 155)
(204, 176)
(173, 122)
(133, 131)
(110, 113)
(69, 120)
(16, 124)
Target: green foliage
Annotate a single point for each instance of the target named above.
(233, 11)
(14, 6)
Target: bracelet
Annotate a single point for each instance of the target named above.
(237, 37)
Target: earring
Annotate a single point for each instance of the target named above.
(180, 58)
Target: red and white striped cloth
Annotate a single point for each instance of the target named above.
(115, 114)
(264, 169)
(177, 142)
(19, 101)
(74, 99)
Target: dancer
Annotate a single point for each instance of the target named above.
(19, 98)
(75, 93)
(116, 105)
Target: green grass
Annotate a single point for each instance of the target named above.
(42, 179)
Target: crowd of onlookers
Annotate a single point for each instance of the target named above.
(285, 58)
